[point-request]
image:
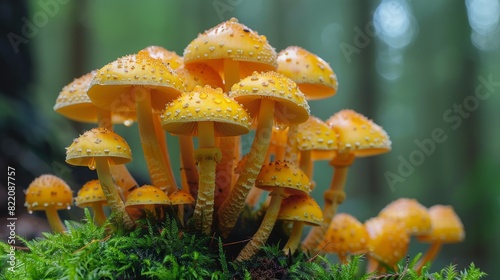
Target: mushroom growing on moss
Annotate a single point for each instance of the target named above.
(91, 195)
(147, 199)
(206, 113)
(282, 179)
(49, 193)
(97, 149)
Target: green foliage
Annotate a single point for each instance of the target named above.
(163, 251)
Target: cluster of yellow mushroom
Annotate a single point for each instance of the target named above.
(228, 81)
(385, 238)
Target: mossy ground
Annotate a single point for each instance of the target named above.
(164, 251)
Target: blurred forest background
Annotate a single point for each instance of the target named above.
(414, 67)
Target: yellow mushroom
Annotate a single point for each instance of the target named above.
(91, 195)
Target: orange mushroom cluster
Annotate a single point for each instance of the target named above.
(386, 237)
(229, 81)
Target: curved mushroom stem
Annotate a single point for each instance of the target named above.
(111, 193)
(294, 239)
(429, 256)
(207, 155)
(120, 173)
(99, 216)
(162, 143)
(265, 228)
(229, 146)
(189, 168)
(54, 220)
(334, 196)
(157, 167)
(231, 208)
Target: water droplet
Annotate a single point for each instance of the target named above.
(69, 207)
(128, 123)
(91, 166)
(30, 212)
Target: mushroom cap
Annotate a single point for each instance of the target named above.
(89, 193)
(283, 174)
(290, 106)
(313, 75)
(98, 142)
(48, 191)
(446, 226)
(199, 75)
(316, 136)
(359, 135)
(181, 197)
(411, 213)
(147, 195)
(388, 239)
(345, 235)
(201, 105)
(301, 208)
(112, 84)
(232, 40)
(74, 103)
(171, 58)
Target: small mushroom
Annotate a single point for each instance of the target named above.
(99, 148)
(147, 199)
(411, 213)
(91, 195)
(345, 236)
(282, 179)
(49, 193)
(301, 210)
(181, 198)
(446, 228)
(387, 243)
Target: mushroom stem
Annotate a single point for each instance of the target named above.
(54, 220)
(291, 150)
(265, 228)
(429, 256)
(306, 163)
(373, 265)
(207, 155)
(334, 196)
(111, 193)
(99, 216)
(189, 168)
(162, 142)
(294, 239)
(231, 208)
(229, 145)
(104, 118)
(157, 167)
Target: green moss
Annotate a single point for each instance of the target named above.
(163, 251)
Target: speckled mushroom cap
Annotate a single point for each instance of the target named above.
(232, 40)
(205, 104)
(147, 195)
(301, 208)
(74, 103)
(388, 239)
(283, 174)
(181, 197)
(112, 85)
(171, 58)
(313, 75)
(48, 191)
(199, 75)
(345, 235)
(359, 135)
(446, 226)
(98, 142)
(411, 213)
(89, 193)
(290, 106)
(316, 136)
